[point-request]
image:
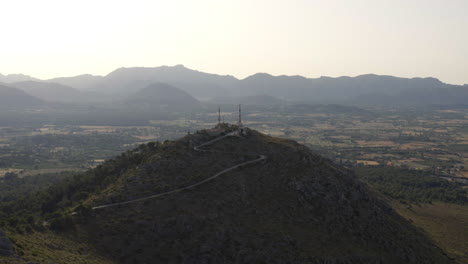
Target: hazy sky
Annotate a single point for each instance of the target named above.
(407, 38)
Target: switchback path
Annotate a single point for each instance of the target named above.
(196, 148)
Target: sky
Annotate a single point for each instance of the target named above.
(312, 38)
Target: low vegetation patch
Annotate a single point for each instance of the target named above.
(412, 185)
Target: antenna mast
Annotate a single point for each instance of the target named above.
(240, 116)
(219, 114)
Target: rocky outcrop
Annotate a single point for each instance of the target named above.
(6, 247)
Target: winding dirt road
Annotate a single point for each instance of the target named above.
(196, 148)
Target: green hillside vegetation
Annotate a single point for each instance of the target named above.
(51, 247)
(295, 207)
(21, 200)
(75, 150)
(435, 205)
(412, 185)
(444, 223)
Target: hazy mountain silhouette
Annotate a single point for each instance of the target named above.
(80, 82)
(16, 78)
(197, 83)
(419, 96)
(162, 95)
(129, 80)
(341, 89)
(55, 92)
(369, 88)
(14, 97)
(298, 88)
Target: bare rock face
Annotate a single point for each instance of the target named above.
(6, 247)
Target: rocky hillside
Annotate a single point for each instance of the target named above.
(293, 207)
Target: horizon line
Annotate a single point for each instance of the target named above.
(230, 75)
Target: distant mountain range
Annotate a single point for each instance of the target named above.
(368, 89)
(81, 82)
(162, 95)
(55, 92)
(14, 97)
(16, 78)
(156, 96)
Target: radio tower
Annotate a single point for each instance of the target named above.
(219, 115)
(240, 116)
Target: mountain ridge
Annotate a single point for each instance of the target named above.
(344, 89)
(55, 92)
(295, 207)
(162, 95)
(14, 97)
(181, 66)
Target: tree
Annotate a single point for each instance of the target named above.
(10, 176)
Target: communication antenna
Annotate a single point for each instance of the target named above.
(219, 114)
(240, 116)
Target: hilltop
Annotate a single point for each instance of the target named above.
(295, 206)
(162, 95)
(54, 92)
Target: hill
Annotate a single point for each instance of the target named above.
(128, 80)
(285, 204)
(54, 92)
(13, 97)
(162, 95)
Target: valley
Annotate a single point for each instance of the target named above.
(232, 132)
(367, 140)
(433, 140)
(312, 181)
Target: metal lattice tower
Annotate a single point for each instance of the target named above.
(240, 116)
